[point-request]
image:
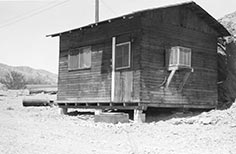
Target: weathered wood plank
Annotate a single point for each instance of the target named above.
(160, 34)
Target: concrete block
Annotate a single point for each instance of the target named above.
(139, 117)
(112, 117)
(63, 111)
(97, 112)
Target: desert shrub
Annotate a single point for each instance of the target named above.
(10, 108)
(14, 80)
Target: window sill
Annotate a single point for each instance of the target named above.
(121, 68)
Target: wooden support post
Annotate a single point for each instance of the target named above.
(139, 116)
(97, 111)
(63, 111)
(186, 76)
(170, 77)
(113, 69)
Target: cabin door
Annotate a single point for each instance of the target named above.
(122, 73)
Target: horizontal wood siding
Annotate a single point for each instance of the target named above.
(94, 84)
(164, 29)
(86, 84)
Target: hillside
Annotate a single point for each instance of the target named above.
(229, 21)
(226, 63)
(32, 76)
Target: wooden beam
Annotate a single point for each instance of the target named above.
(113, 69)
(186, 76)
(170, 77)
(168, 105)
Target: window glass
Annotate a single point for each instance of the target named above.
(122, 55)
(85, 59)
(80, 58)
(73, 64)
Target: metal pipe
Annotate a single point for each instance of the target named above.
(96, 11)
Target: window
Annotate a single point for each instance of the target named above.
(180, 57)
(79, 58)
(122, 55)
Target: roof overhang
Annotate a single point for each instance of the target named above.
(211, 21)
(220, 29)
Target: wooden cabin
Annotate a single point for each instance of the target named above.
(162, 57)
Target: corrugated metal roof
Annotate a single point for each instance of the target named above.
(191, 5)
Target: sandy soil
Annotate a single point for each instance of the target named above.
(37, 130)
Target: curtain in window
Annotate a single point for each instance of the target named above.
(79, 58)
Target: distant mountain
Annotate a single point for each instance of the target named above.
(229, 21)
(32, 76)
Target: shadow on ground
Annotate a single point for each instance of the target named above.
(78, 113)
(152, 114)
(163, 114)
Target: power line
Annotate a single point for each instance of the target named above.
(20, 15)
(108, 7)
(32, 14)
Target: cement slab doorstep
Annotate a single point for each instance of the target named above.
(112, 118)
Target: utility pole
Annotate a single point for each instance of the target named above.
(96, 11)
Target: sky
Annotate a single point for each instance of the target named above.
(24, 24)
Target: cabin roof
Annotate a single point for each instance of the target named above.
(191, 5)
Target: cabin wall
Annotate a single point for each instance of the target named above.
(86, 83)
(94, 84)
(162, 30)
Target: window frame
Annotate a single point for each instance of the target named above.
(178, 64)
(78, 54)
(129, 59)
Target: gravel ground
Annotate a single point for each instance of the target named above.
(37, 130)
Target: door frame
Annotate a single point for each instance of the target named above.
(113, 73)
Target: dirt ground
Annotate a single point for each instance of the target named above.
(37, 130)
